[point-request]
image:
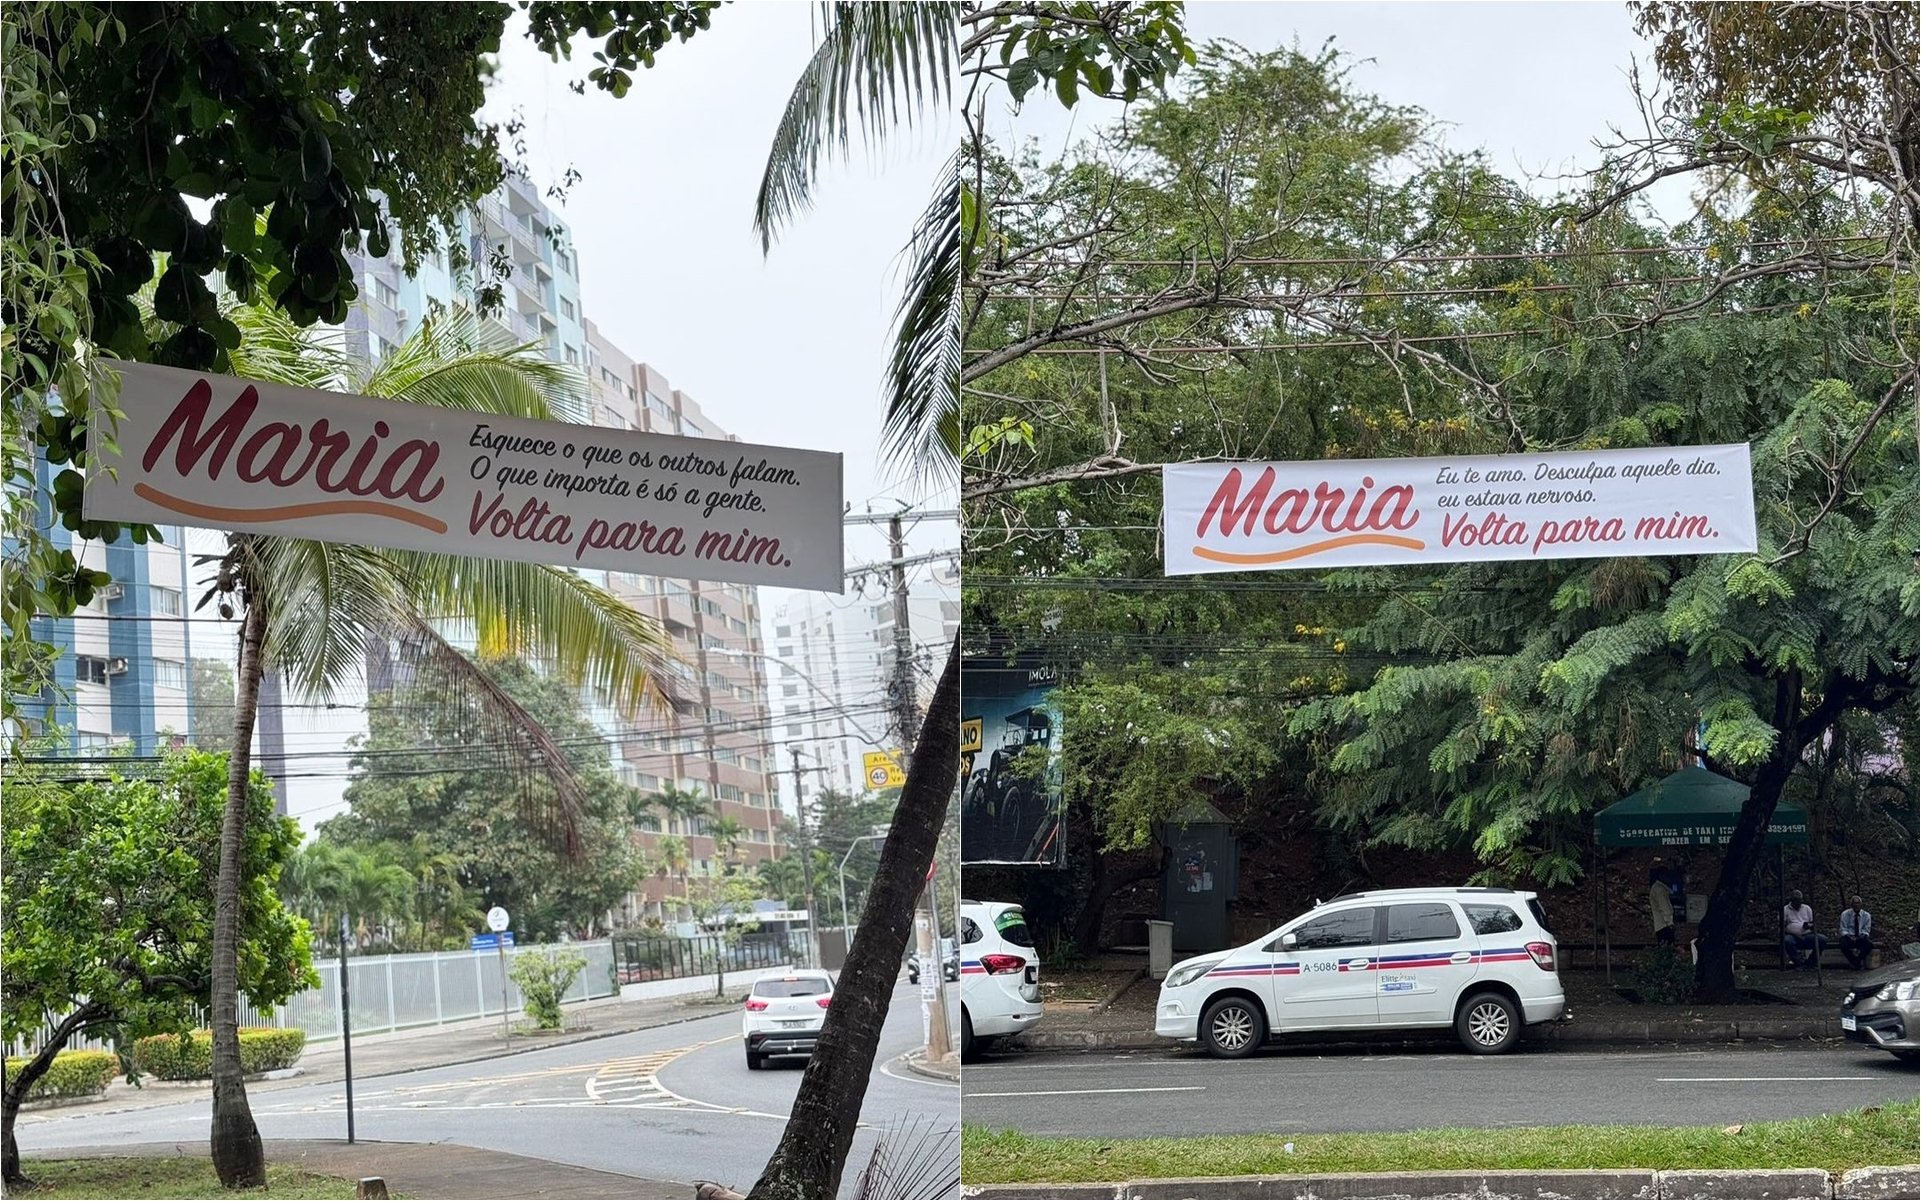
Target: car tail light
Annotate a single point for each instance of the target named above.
(1543, 954)
(822, 1001)
(1001, 965)
(755, 1005)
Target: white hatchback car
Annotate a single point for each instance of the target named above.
(1000, 973)
(1479, 960)
(783, 1015)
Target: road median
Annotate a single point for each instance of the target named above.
(1780, 1184)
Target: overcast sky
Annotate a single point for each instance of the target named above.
(1532, 83)
(787, 348)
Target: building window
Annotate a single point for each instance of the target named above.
(89, 669)
(793, 731)
(385, 291)
(166, 601)
(90, 741)
(573, 356)
(790, 690)
(783, 631)
(736, 625)
(729, 793)
(691, 430)
(170, 673)
(566, 308)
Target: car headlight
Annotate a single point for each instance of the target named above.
(1900, 990)
(1187, 975)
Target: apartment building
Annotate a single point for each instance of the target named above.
(834, 664)
(708, 736)
(124, 674)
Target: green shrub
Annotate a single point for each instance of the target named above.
(73, 1074)
(544, 977)
(1663, 977)
(190, 1056)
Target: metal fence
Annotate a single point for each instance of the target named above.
(402, 992)
(640, 959)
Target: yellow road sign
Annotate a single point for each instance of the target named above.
(882, 769)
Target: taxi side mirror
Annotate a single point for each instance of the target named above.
(1289, 942)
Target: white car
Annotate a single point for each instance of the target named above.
(783, 1015)
(1479, 960)
(1000, 973)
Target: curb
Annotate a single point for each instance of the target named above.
(1612, 1033)
(327, 1078)
(920, 1067)
(1790, 1184)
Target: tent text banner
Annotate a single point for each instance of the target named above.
(1671, 500)
(234, 454)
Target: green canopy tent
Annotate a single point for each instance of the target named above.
(1690, 808)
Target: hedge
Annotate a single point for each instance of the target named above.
(190, 1057)
(73, 1074)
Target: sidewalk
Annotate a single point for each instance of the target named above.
(1797, 1006)
(426, 1170)
(412, 1050)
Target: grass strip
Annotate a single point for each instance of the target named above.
(1876, 1135)
(165, 1178)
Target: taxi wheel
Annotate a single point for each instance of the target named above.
(1488, 1024)
(967, 1037)
(1233, 1028)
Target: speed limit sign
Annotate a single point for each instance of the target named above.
(877, 778)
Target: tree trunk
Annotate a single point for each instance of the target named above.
(820, 1129)
(1107, 881)
(1721, 925)
(238, 1156)
(17, 1086)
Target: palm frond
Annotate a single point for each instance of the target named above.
(324, 601)
(453, 361)
(876, 65)
(525, 746)
(275, 350)
(923, 371)
(547, 615)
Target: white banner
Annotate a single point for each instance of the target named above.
(232, 454)
(1674, 500)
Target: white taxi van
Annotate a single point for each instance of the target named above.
(1478, 960)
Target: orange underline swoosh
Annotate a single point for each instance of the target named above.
(1312, 548)
(373, 508)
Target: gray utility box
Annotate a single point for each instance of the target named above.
(1160, 948)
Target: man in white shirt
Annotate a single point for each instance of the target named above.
(1798, 938)
(1857, 933)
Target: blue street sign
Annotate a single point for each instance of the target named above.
(491, 942)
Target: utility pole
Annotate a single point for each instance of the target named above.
(806, 853)
(907, 716)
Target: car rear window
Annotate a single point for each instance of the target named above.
(1540, 913)
(1492, 919)
(792, 986)
(1012, 924)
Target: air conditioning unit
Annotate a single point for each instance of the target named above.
(111, 592)
(117, 667)
(401, 316)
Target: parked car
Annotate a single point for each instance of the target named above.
(1479, 960)
(1883, 1010)
(949, 964)
(783, 1014)
(1000, 974)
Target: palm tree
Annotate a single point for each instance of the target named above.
(727, 834)
(874, 66)
(311, 609)
(782, 878)
(326, 882)
(674, 860)
(682, 805)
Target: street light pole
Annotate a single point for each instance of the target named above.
(844, 916)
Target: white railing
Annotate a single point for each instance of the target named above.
(401, 992)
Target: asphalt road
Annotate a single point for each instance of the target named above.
(1305, 1090)
(675, 1103)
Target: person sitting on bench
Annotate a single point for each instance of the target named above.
(1857, 934)
(1798, 938)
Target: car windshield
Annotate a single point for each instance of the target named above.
(791, 986)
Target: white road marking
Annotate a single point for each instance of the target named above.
(1082, 1092)
(1750, 1079)
(887, 1069)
